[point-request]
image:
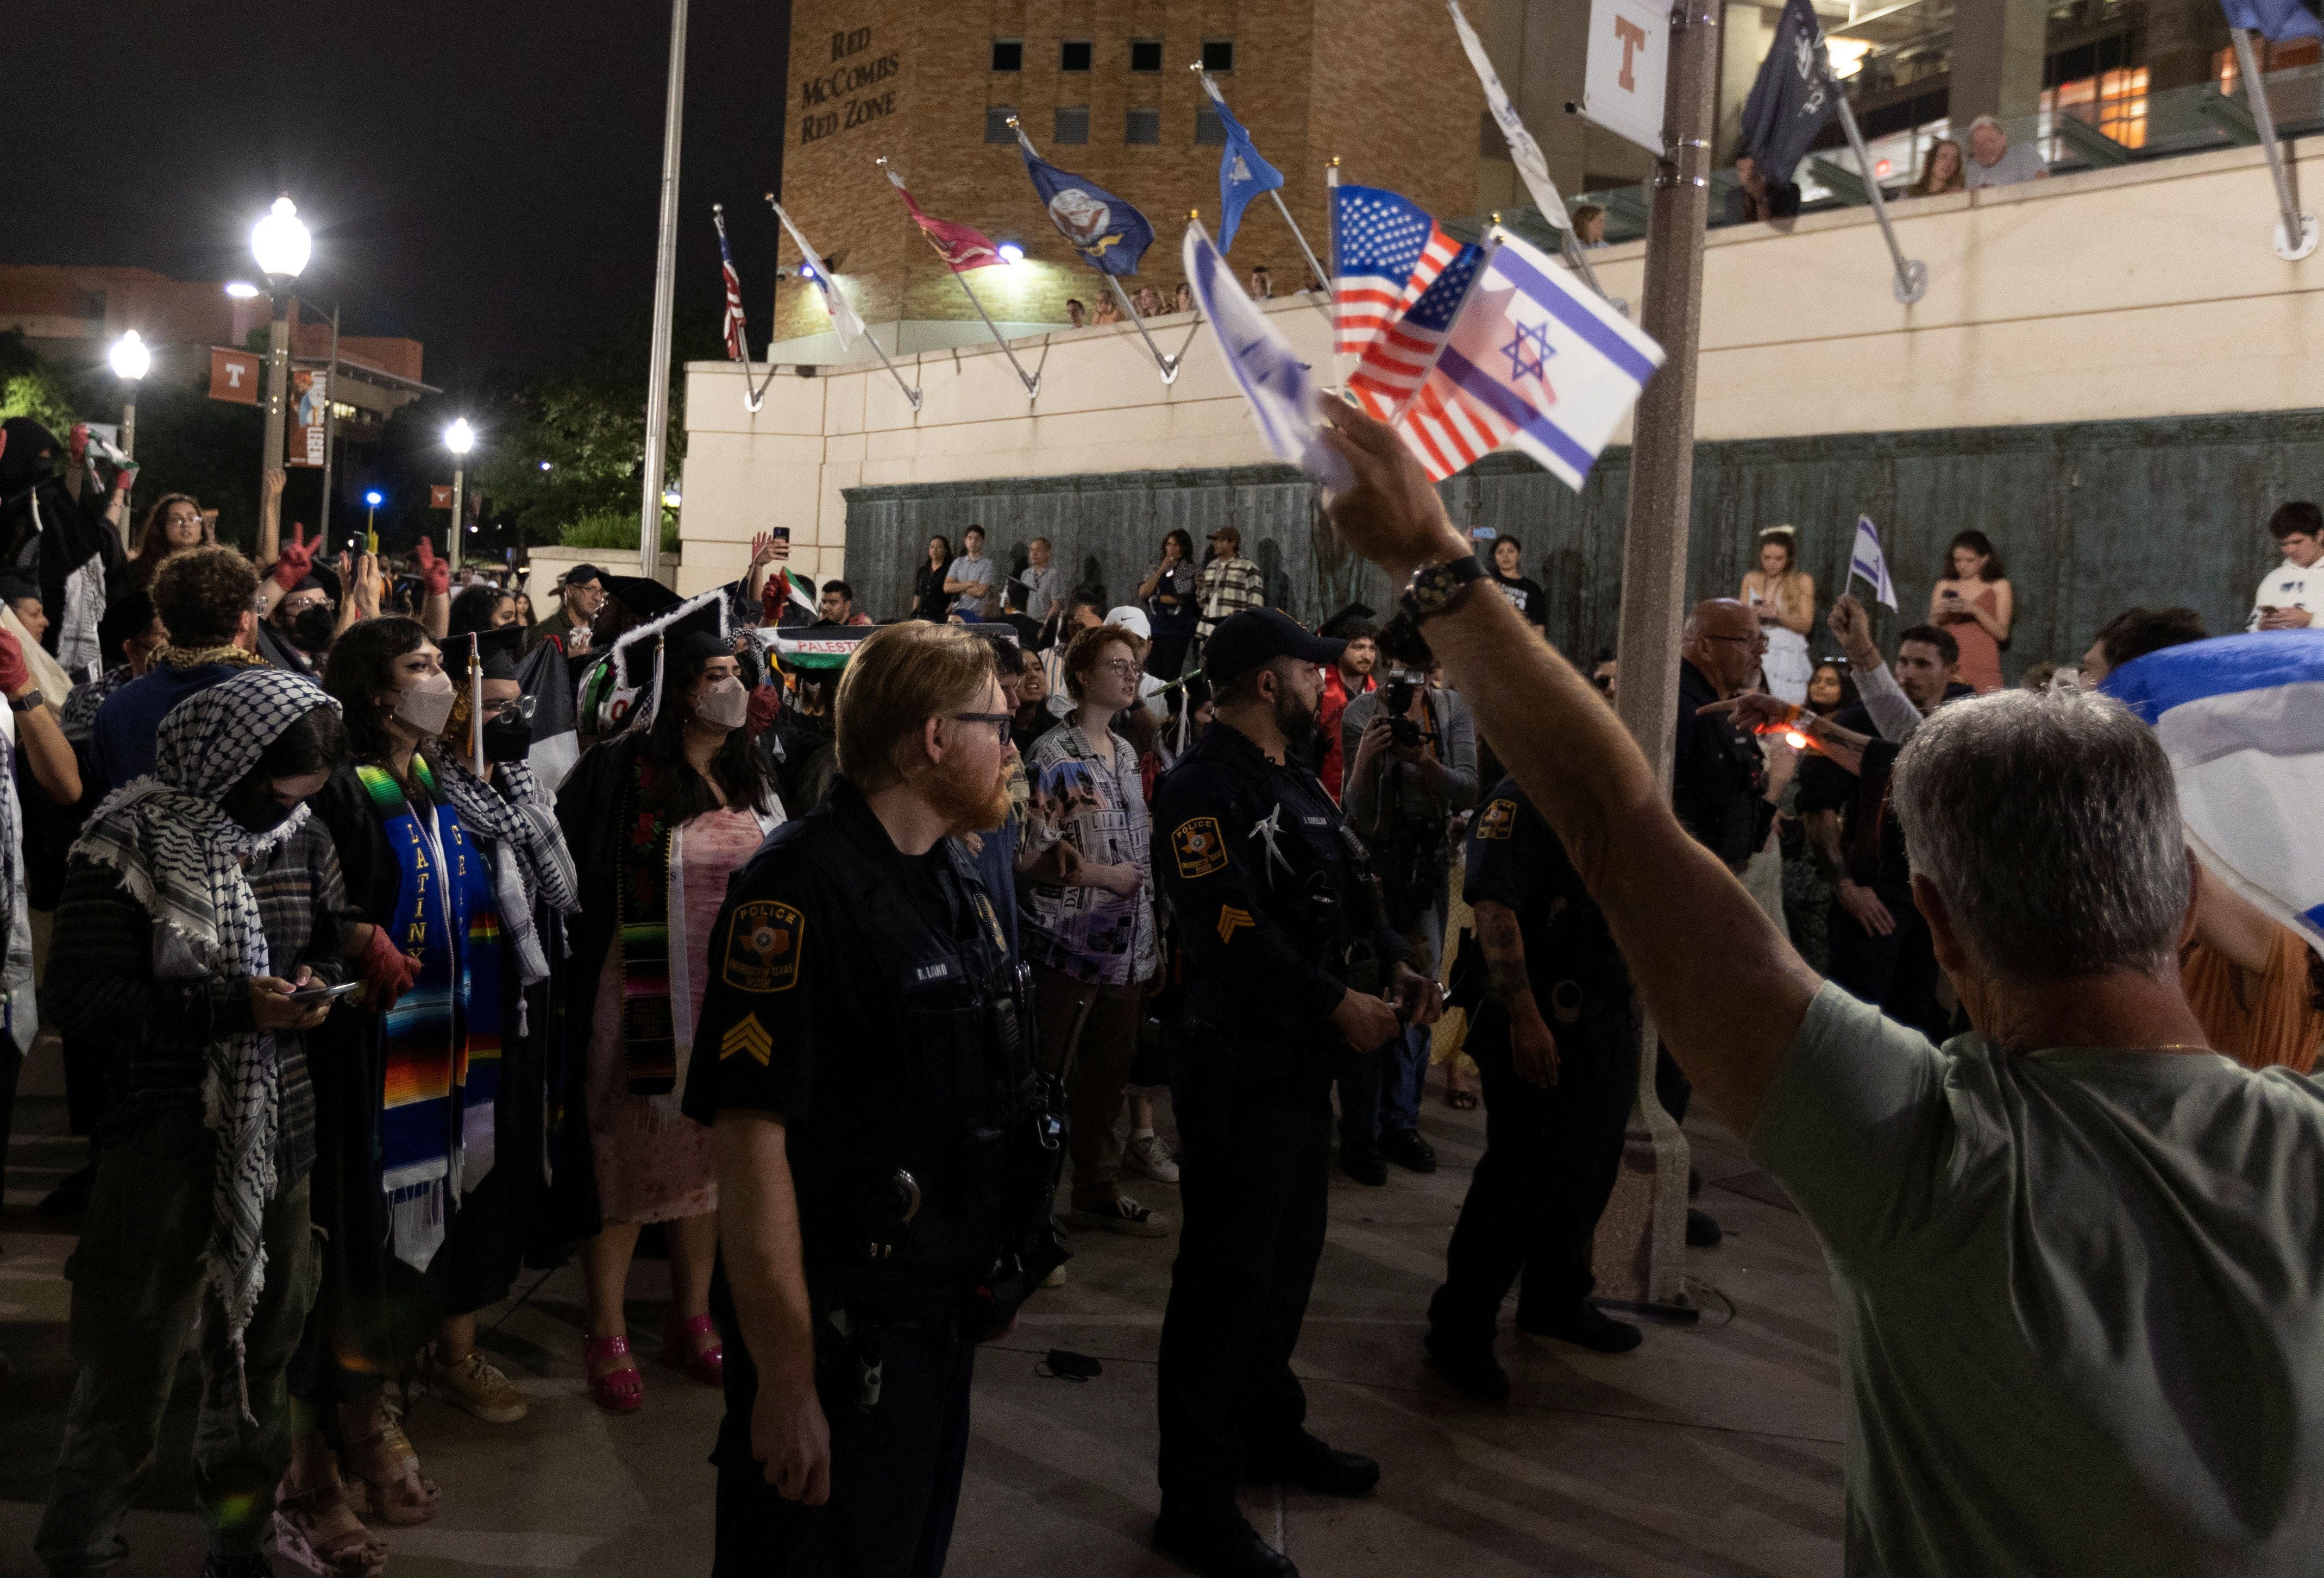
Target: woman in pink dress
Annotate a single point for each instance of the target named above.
(1976, 605)
(657, 816)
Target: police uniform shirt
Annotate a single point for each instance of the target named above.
(1243, 846)
(849, 989)
(1515, 859)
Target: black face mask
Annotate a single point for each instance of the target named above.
(311, 630)
(508, 739)
(252, 803)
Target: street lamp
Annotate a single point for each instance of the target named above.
(460, 439)
(281, 245)
(131, 360)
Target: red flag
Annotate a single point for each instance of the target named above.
(962, 247)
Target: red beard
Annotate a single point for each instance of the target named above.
(968, 802)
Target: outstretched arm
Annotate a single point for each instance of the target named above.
(1662, 891)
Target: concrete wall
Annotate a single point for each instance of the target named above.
(2147, 290)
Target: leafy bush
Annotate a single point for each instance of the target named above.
(615, 529)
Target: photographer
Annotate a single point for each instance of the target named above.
(1411, 748)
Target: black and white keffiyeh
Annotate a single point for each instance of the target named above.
(531, 860)
(182, 858)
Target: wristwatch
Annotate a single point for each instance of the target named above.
(32, 700)
(1439, 588)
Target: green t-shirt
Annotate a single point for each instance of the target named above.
(2081, 1299)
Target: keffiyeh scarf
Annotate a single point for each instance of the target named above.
(531, 861)
(183, 859)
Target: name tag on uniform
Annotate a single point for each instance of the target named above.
(1314, 821)
(936, 972)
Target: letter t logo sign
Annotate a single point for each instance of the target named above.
(1634, 39)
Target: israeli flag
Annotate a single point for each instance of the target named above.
(2243, 720)
(1279, 387)
(1865, 559)
(1242, 173)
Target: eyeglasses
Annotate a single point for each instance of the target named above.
(999, 720)
(515, 708)
(1121, 668)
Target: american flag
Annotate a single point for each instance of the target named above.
(1394, 365)
(1388, 251)
(1448, 429)
(736, 351)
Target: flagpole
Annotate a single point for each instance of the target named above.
(2295, 233)
(1032, 381)
(824, 282)
(1275, 192)
(1911, 280)
(664, 303)
(1168, 364)
(753, 397)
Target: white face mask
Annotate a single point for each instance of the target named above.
(425, 706)
(725, 705)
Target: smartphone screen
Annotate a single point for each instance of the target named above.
(317, 992)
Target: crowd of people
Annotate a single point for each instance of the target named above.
(370, 999)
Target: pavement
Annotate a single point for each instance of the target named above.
(1712, 1449)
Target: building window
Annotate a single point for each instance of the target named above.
(1218, 54)
(1007, 54)
(1210, 132)
(2113, 101)
(1072, 125)
(1146, 54)
(1074, 55)
(1145, 128)
(996, 122)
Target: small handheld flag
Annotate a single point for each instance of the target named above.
(1867, 560)
(1242, 173)
(1109, 234)
(1396, 364)
(1386, 250)
(1279, 386)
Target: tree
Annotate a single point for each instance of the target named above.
(30, 387)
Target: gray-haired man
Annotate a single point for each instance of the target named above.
(2078, 1257)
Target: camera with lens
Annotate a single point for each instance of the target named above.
(1395, 702)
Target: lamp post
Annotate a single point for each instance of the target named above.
(281, 245)
(460, 439)
(131, 360)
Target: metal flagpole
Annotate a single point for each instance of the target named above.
(753, 396)
(813, 266)
(665, 291)
(1911, 280)
(1031, 381)
(2295, 232)
(330, 429)
(1169, 365)
(1275, 192)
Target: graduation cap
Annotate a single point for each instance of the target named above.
(639, 657)
(645, 598)
(1353, 613)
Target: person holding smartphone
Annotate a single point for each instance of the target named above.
(199, 1231)
(1169, 592)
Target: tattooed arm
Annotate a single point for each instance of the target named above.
(1533, 1050)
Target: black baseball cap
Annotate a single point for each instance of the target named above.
(1244, 641)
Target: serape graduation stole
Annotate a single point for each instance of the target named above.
(443, 1041)
(642, 910)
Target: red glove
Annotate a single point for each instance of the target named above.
(435, 574)
(772, 597)
(77, 445)
(766, 704)
(386, 971)
(13, 674)
(298, 561)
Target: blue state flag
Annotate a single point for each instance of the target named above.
(2242, 719)
(1242, 173)
(1279, 387)
(1106, 231)
(2276, 21)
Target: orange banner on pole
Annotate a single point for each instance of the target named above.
(439, 495)
(234, 376)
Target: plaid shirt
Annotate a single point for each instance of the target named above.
(1088, 933)
(150, 1033)
(1228, 586)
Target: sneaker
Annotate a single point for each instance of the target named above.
(473, 1386)
(1121, 1214)
(1148, 1155)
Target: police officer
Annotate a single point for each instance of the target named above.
(1557, 1044)
(886, 1148)
(1288, 955)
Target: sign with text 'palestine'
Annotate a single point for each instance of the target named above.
(1628, 66)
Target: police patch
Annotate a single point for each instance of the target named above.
(1199, 846)
(748, 1037)
(1498, 820)
(762, 947)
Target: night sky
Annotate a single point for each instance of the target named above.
(482, 177)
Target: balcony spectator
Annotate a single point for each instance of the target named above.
(1108, 311)
(1975, 603)
(1262, 284)
(1757, 200)
(1589, 226)
(2294, 592)
(1181, 300)
(1941, 172)
(1076, 315)
(928, 599)
(1782, 596)
(1993, 161)
(972, 577)
(1525, 596)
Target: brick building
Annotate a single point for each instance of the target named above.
(1103, 89)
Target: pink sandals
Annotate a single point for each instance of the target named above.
(621, 1390)
(682, 1349)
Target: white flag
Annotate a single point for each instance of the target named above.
(1868, 561)
(1279, 386)
(844, 321)
(1523, 149)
